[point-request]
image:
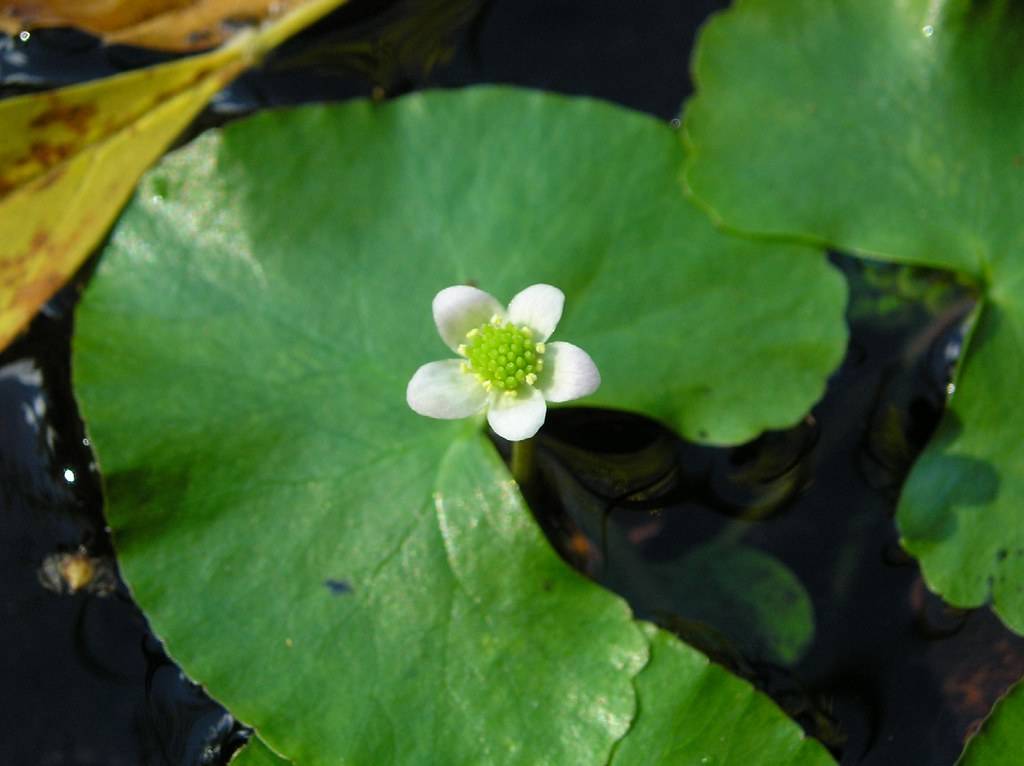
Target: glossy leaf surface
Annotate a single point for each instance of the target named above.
(241, 360)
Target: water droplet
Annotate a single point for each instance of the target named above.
(950, 388)
(156, 199)
(928, 30)
(23, 35)
(69, 476)
(675, 122)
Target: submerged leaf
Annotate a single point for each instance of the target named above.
(745, 592)
(895, 130)
(71, 157)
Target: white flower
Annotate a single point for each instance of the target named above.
(506, 365)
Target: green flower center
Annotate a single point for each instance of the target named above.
(502, 355)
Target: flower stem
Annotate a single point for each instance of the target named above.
(522, 462)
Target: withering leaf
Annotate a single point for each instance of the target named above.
(71, 157)
(172, 25)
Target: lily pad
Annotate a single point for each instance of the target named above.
(360, 583)
(895, 130)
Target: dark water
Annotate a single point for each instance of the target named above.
(889, 676)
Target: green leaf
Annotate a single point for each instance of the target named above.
(1001, 739)
(71, 156)
(895, 130)
(360, 583)
(712, 720)
(255, 753)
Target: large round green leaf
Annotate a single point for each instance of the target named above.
(895, 130)
(362, 584)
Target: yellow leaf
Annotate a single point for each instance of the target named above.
(174, 25)
(70, 157)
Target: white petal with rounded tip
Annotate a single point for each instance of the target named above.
(569, 373)
(519, 417)
(539, 307)
(442, 390)
(459, 309)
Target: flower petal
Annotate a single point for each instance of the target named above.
(569, 373)
(459, 309)
(443, 390)
(517, 418)
(539, 307)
